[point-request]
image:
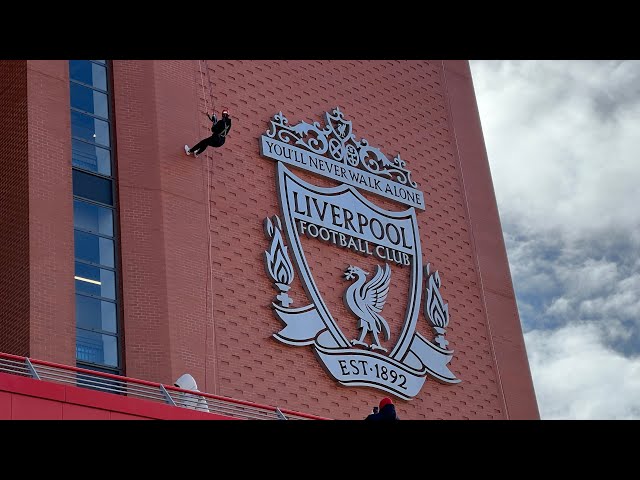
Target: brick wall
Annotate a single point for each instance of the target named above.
(399, 107)
(51, 257)
(14, 209)
(163, 221)
(169, 311)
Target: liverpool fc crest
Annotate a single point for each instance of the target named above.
(367, 338)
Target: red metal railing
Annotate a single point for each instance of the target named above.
(142, 389)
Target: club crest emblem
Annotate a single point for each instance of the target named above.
(361, 332)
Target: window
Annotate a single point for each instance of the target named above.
(87, 99)
(98, 339)
(89, 73)
(92, 187)
(89, 129)
(91, 157)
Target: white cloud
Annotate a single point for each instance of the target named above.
(576, 377)
(563, 139)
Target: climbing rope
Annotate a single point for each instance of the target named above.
(206, 105)
(209, 282)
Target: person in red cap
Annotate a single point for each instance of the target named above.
(219, 128)
(387, 411)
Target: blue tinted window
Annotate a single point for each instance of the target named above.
(95, 243)
(89, 128)
(89, 100)
(96, 347)
(95, 314)
(92, 187)
(87, 72)
(95, 281)
(92, 217)
(90, 157)
(94, 249)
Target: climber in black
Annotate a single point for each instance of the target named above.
(219, 128)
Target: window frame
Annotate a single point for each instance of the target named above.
(114, 207)
(79, 110)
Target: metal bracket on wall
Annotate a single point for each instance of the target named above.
(167, 396)
(32, 370)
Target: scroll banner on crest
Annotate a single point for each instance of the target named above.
(357, 367)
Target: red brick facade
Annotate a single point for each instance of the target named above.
(51, 257)
(217, 324)
(36, 290)
(14, 210)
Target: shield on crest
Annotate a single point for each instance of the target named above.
(340, 126)
(341, 144)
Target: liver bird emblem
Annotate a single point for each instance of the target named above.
(366, 300)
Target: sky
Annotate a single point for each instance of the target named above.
(563, 142)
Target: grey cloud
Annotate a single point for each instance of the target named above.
(558, 282)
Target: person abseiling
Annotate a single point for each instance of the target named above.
(219, 128)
